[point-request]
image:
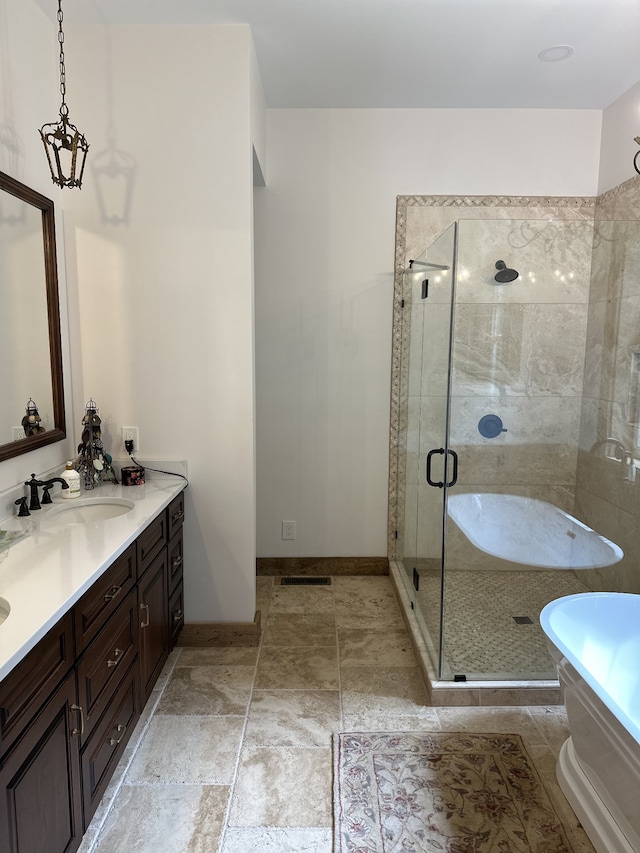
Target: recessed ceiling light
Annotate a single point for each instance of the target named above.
(556, 53)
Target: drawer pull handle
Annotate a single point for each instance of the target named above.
(177, 562)
(115, 590)
(145, 624)
(177, 616)
(116, 655)
(119, 728)
(177, 516)
(79, 731)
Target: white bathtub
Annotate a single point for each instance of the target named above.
(530, 532)
(594, 639)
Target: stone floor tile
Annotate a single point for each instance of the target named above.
(292, 718)
(170, 818)
(393, 690)
(506, 720)
(301, 599)
(300, 629)
(375, 648)
(283, 787)
(262, 840)
(219, 656)
(205, 690)
(379, 721)
(188, 750)
(298, 669)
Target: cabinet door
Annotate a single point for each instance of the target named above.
(154, 618)
(176, 561)
(175, 514)
(40, 805)
(176, 615)
(151, 542)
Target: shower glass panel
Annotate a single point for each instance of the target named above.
(493, 365)
(428, 294)
(517, 364)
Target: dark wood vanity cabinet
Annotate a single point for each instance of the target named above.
(69, 708)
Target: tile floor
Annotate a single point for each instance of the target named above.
(233, 753)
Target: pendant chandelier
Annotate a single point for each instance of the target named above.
(65, 146)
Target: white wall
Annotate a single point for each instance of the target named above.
(29, 97)
(325, 227)
(620, 126)
(162, 305)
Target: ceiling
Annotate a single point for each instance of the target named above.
(413, 53)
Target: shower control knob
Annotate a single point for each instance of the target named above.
(490, 426)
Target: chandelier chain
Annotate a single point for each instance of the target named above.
(64, 109)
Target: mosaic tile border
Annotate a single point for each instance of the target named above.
(621, 202)
(536, 207)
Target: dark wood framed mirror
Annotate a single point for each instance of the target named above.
(30, 344)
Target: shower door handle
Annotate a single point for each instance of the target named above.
(430, 454)
(454, 478)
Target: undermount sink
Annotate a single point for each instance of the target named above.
(5, 609)
(86, 510)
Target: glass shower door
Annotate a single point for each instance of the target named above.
(515, 399)
(428, 465)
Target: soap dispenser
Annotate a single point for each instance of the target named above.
(73, 478)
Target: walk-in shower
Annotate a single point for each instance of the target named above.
(491, 401)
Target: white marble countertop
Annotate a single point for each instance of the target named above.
(44, 573)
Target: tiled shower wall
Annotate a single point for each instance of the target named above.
(518, 353)
(608, 492)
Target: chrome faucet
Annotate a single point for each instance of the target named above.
(624, 456)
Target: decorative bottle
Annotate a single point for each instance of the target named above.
(73, 478)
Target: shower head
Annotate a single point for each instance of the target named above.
(504, 274)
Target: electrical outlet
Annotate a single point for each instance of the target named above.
(288, 530)
(18, 433)
(130, 434)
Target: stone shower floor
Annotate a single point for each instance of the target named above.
(234, 752)
(486, 632)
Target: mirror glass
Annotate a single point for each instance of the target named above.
(31, 388)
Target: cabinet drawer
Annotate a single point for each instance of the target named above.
(106, 744)
(176, 514)
(150, 542)
(104, 597)
(107, 658)
(176, 561)
(32, 681)
(176, 615)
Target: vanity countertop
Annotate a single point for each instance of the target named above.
(43, 574)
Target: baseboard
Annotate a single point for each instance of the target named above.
(304, 566)
(204, 634)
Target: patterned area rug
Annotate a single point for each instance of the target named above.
(440, 793)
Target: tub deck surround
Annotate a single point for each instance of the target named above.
(43, 574)
(594, 639)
